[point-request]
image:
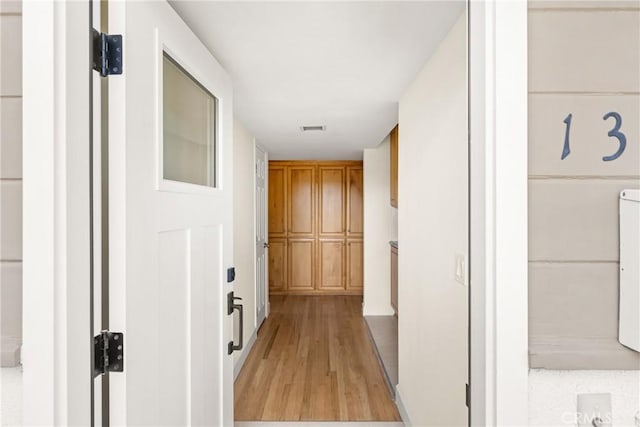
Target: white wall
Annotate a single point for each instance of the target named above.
(243, 236)
(378, 230)
(11, 181)
(432, 228)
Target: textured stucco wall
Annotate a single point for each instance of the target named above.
(553, 395)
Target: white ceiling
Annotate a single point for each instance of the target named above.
(340, 64)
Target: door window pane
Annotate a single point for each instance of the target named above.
(189, 127)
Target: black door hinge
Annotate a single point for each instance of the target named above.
(107, 53)
(467, 392)
(108, 353)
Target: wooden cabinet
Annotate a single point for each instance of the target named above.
(394, 279)
(331, 272)
(316, 227)
(301, 263)
(355, 212)
(355, 265)
(301, 200)
(277, 264)
(332, 198)
(393, 156)
(277, 201)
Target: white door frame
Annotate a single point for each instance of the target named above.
(265, 293)
(56, 239)
(56, 349)
(499, 365)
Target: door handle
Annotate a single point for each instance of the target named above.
(231, 306)
(266, 245)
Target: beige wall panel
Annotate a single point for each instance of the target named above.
(573, 299)
(11, 51)
(10, 138)
(11, 298)
(584, 51)
(584, 4)
(588, 136)
(574, 220)
(11, 220)
(10, 6)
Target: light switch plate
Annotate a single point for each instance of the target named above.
(594, 406)
(461, 269)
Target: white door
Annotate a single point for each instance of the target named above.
(170, 222)
(261, 235)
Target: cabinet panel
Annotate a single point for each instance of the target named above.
(301, 265)
(355, 264)
(301, 200)
(277, 265)
(355, 211)
(332, 199)
(331, 259)
(277, 201)
(393, 154)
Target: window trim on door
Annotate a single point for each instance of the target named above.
(165, 46)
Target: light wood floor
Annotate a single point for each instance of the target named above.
(313, 361)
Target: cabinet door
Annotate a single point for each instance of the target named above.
(277, 265)
(301, 265)
(393, 155)
(355, 265)
(331, 259)
(332, 200)
(301, 200)
(277, 201)
(354, 205)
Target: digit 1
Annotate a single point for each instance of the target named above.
(566, 150)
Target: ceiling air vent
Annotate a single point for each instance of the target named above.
(313, 128)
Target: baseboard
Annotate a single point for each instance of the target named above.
(10, 355)
(401, 408)
(376, 311)
(247, 348)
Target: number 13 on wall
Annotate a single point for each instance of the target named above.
(614, 133)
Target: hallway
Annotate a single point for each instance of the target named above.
(313, 361)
